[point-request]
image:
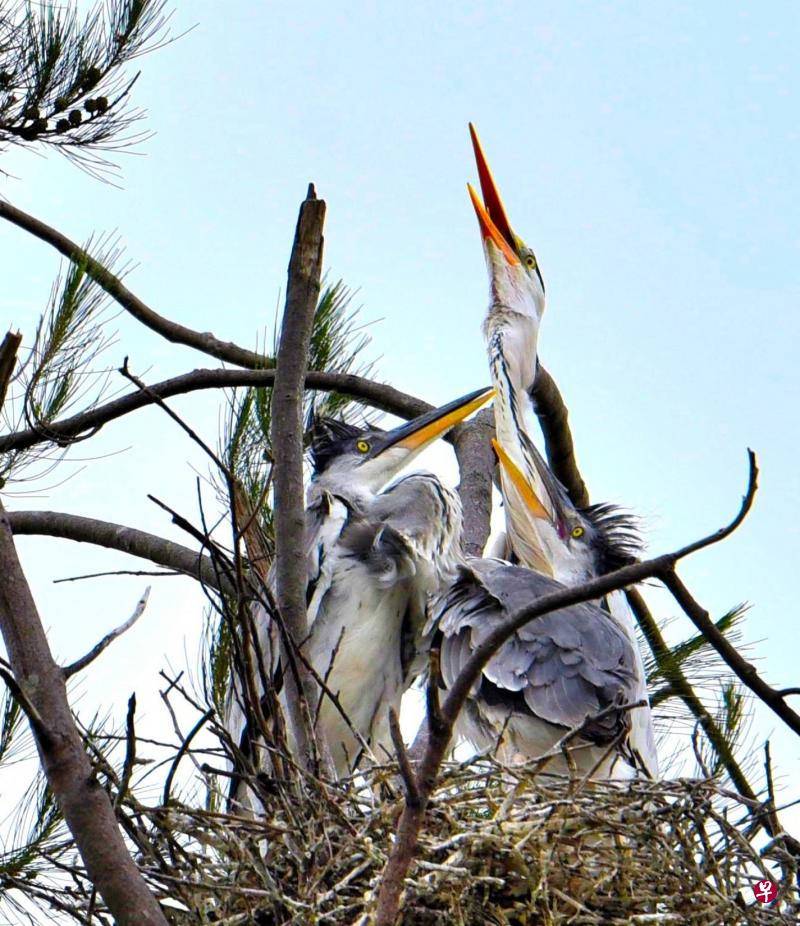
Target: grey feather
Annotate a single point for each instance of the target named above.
(557, 670)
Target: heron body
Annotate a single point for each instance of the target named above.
(370, 576)
(373, 554)
(544, 531)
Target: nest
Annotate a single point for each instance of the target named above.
(499, 846)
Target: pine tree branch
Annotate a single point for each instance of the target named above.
(302, 294)
(118, 537)
(170, 330)
(377, 395)
(84, 803)
(553, 419)
(744, 670)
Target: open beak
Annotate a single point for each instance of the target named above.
(417, 434)
(491, 213)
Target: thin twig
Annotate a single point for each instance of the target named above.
(125, 371)
(119, 572)
(406, 772)
(118, 537)
(108, 639)
(130, 753)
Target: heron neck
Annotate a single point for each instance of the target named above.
(514, 410)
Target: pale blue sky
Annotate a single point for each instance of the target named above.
(647, 152)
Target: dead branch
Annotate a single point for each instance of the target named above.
(743, 669)
(553, 419)
(302, 293)
(109, 638)
(85, 805)
(168, 329)
(118, 537)
(8, 360)
(377, 395)
(476, 463)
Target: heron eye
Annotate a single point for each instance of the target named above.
(530, 262)
(578, 532)
(362, 446)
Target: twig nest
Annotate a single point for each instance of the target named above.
(499, 847)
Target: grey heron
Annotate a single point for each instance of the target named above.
(545, 533)
(374, 553)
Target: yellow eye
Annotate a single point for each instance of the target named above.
(362, 446)
(530, 262)
(578, 532)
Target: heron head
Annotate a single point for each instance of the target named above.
(575, 543)
(516, 279)
(368, 458)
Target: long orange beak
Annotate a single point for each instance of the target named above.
(489, 230)
(491, 198)
(521, 484)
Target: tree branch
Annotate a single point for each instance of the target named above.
(553, 418)
(476, 463)
(170, 330)
(378, 395)
(117, 537)
(302, 293)
(743, 669)
(108, 639)
(8, 360)
(85, 805)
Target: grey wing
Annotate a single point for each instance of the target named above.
(427, 514)
(563, 667)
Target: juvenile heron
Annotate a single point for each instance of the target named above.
(573, 668)
(373, 556)
(545, 532)
(581, 544)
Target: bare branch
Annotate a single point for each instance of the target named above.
(85, 805)
(109, 638)
(170, 330)
(476, 463)
(117, 537)
(130, 753)
(553, 415)
(305, 268)
(8, 360)
(440, 734)
(378, 395)
(743, 669)
(406, 772)
(193, 435)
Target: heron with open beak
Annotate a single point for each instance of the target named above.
(375, 550)
(581, 544)
(587, 665)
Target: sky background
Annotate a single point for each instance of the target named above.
(648, 153)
